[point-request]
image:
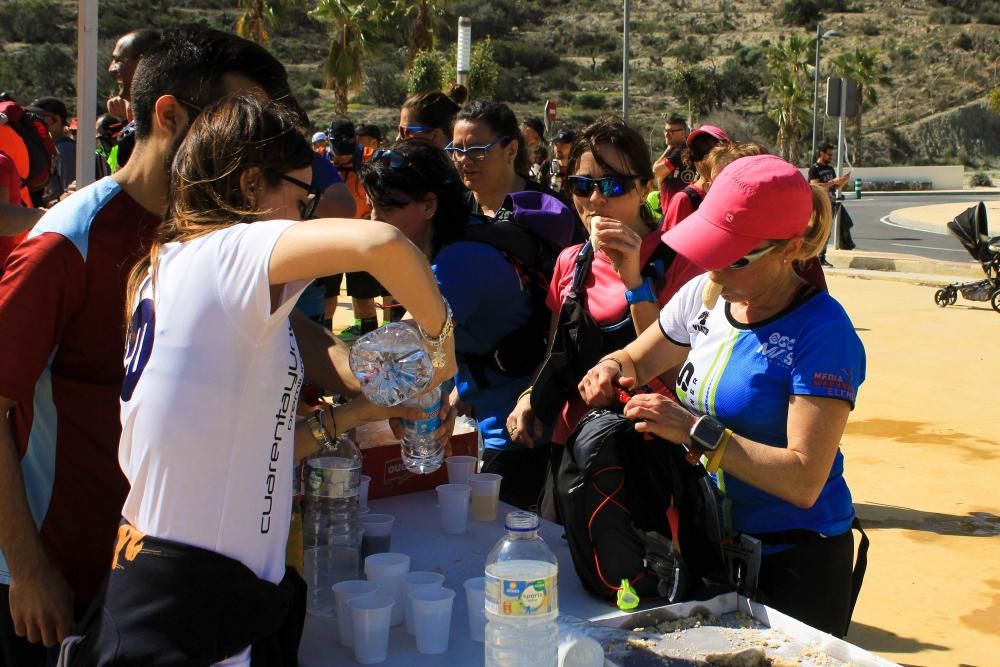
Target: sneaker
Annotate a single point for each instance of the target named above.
(351, 333)
(826, 264)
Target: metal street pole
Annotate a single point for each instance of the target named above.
(625, 49)
(463, 52)
(86, 92)
(835, 232)
(819, 38)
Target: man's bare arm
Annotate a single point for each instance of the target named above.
(16, 219)
(324, 356)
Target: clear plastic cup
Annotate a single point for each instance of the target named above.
(363, 490)
(344, 591)
(370, 616)
(461, 468)
(432, 618)
(378, 533)
(414, 581)
(453, 503)
(387, 571)
(475, 598)
(485, 496)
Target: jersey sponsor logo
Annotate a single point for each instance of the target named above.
(701, 324)
(284, 427)
(778, 348)
(138, 346)
(129, 545)
(836, 385)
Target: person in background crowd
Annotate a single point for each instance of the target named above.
(320, 144)
(609, 173)
(823, 175)
(671, 175)
(699, 143)
(533, 131)
(538, 156)
(770, 425)
(56, 118)
(15, 219)
(429, 116)
(415, 188)
(369, 136)
(237, 194)
(490, 156)
(62, 295)
(128, 51)
(106, 129)
(556, 167)
(725, 154)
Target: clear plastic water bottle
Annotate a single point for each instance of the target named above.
(522, 597)
(422, 452)
(391, 363)
(331, 534)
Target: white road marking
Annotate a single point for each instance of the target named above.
(886, 221)
(926, 247)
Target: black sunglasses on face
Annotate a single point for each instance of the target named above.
(608, 186)
(307, 208)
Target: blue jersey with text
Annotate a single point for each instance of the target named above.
(743, 374)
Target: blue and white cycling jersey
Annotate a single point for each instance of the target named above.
(744, 374)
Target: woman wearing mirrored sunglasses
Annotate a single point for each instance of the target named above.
(213, 370)
(428, 116)
(490, 156)
(609, 174)
(415, 188)
(768, 376)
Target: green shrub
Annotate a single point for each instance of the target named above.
(870, 28)
(45, 69)
(514, 85)
(533, 57)
(483, 71)
(980, 180)
(590, 100)
(804, 13)
(383, 86)
(33, 21)
(426, 72)
(949, 16)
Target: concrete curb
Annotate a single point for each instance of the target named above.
(902, 268)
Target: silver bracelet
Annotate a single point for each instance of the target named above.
(438, 356)
(318, 429)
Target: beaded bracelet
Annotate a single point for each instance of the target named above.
(438, 356)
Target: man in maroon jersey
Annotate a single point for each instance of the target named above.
(62, 300)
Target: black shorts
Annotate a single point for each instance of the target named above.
(364, 286)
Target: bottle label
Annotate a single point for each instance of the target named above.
(427, 425)
(519, 598)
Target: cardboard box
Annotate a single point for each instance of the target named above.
(382, 461)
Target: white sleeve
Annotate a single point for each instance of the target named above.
(681, 310)
(242, 255)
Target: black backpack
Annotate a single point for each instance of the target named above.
(530, 229)
(634, 508)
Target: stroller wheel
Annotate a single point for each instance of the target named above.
(995, 300)
(952, 296)
(941, 298)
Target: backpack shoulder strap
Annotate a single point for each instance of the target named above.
(694, 196)
(659, 263)
(581, 270)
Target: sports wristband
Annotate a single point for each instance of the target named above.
(716, 461)
(643, 292)
(526, 392)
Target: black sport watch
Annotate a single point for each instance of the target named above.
(706, 436)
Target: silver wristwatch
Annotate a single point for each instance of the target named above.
(318, 430)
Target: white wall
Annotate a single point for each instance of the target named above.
(948, 177)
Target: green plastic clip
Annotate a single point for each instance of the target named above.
(627, 597)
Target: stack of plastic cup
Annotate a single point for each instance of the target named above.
(432, 618)
(485, 496)
(387, 570)
(461, 468)
(363, 490)
(453, 502)
(377, 537)
(415, 581)
(344, 591)
(475, 598)
(370, 616)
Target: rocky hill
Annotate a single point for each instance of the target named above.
(936, 61)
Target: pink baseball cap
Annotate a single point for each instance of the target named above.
(710, 130)
(754, 199)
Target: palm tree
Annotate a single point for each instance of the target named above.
(864, 66)
(351, 23)
(790, 89)
(421, 17)
(260, 17)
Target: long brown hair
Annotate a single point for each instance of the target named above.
(227, 138)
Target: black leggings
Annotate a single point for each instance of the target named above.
(811, 582)
(524, 472)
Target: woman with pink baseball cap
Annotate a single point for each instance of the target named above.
(699, 144)
(768, 375)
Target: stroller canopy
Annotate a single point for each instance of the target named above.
(971, 229)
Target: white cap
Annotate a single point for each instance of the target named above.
(319, 136)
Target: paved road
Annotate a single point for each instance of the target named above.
(871, 234)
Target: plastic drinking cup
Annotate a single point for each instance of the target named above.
(378, 533)
(475, 598)
(370, 616)
(363, 490)
(414, 581)
(453, 503)
(344, 591)
(485, 495)
(432, 618)
(387, 571)
(460, 468)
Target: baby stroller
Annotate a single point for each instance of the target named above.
(971, 229)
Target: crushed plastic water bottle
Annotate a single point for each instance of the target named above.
(391, 363)
(422, 453)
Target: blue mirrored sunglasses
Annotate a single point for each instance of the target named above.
(609, 186)
(392, 158)
(477, 153)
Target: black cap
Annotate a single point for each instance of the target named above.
(342, 137)
(51, 105)
(535, 124)
(369, 130)
(564, 137)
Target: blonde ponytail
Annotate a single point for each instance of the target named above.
(818, 230)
